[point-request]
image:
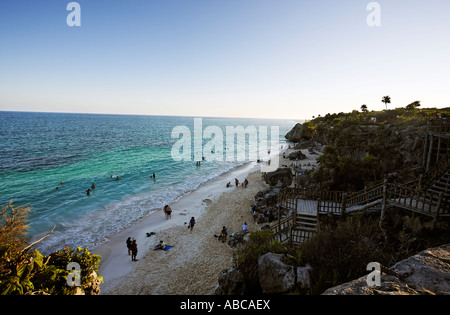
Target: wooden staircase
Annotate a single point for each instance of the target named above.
(305, 228)
(442, 185)
(427, 195)
(305, 207)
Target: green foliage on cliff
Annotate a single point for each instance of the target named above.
(363, 147)
(24, 270)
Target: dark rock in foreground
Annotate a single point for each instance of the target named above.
(426, 273)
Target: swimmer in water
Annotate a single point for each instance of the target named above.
(88, 192)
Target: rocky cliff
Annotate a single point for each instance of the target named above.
(427, 273)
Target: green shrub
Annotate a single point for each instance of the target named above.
(23, 270)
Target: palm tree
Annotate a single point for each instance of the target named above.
(386, 100)
(364, 108)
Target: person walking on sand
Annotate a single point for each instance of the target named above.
(129, 245)
(134, 250)
(191, 224)
(168, 212)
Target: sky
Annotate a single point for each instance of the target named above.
(290, 59)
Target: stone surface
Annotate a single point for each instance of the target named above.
(295, 135)
(230, 282)
(282, 175)
(274, 275)
(426, 273)
(297, 155)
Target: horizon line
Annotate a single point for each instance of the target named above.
(150, 115)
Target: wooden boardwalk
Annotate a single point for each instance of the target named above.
(304, 207)
(428, 195)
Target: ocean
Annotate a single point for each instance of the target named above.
(49, 160)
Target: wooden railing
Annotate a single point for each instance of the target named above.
(425, 202)
(281, 231)
(409, 196)
(369, 194)
(439, 125)
(434, 173)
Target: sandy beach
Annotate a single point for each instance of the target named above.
(193, 265)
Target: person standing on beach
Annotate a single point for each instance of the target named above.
(223, 234)
(129, 245)
(236, 181)
(191, 224)
(168, 212)
(134, 250)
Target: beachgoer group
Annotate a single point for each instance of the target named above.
(132, 248)
(236, 182)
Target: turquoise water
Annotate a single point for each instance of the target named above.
(39, 150)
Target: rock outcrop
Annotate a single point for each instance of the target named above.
(276, 277)
(295, 135)
(231, 282)
(297, 155)
(273, 275)
(425, 273)
(282, 175)
(267, 198)
(239, 238)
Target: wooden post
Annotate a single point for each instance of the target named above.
(419, 186)
(318, 206)
(438, 209)
(425, 147)
(383, 206)
(290, 235)
(365, 196)
(430, 152)
(279, 216)
(295, 213)
(317, 214)
(343, 205)
(438, 150)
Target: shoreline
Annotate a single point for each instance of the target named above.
(116, 263)
(213, 205)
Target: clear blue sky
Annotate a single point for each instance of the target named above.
(235, 58)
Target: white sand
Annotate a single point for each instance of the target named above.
(122, 276)
(193, 265)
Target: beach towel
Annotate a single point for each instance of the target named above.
(167, 248)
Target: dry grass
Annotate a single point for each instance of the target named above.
(14, 224)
